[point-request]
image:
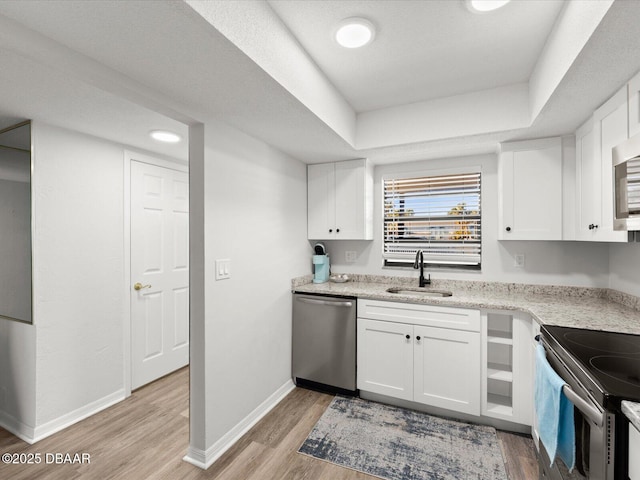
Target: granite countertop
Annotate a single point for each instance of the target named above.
(632, 411)
(579, 307)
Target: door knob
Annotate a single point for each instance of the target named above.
(139, 286)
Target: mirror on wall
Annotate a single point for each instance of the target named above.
(15, 222)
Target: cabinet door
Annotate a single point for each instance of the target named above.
(633, 100)
(535, 330)
(634, 448)
(447, 369)
(588, 190)
(611, 127)
(522, 369)
(352, 201)
(385, 358)
(321, 207)
(531, 190)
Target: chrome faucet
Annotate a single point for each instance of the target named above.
(419, 263)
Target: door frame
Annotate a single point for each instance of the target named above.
(158, 161)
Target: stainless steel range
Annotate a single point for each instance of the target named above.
(600, 369)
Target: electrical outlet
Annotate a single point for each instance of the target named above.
(223, 269)
(519, 260)
(350, 256)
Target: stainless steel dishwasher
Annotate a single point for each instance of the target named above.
(324, 343)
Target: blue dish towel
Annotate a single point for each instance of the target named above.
(554, 412)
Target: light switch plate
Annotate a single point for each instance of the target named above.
(223, 269)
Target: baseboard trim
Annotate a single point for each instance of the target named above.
(77, 415)
(205, 458)
(21, 430)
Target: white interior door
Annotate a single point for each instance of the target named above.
(159, 272)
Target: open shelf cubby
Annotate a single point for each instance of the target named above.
(499, 364)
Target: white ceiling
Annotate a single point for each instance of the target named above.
(38, 92)
(422, 49)
(119, 69)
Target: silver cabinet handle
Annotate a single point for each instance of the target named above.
(587, 410)
(313, 301)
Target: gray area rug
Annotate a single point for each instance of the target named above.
(398, 444)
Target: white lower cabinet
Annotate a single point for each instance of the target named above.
(535, 331)
(634, 448)
(417, 361)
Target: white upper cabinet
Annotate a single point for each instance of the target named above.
(594, 171)
(340, 201)
(530, 190)
(588, 189)
(611, 125)
(634, 105)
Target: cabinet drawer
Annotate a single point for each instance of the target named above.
(418, 314)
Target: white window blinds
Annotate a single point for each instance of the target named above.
(439, 215)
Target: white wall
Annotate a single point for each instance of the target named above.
(18, 377)
(551, 263)
(70, 362)
(624, 267)
(255, 215)
(78, 272)
(503, 108)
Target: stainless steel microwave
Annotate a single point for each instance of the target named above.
(626, 185)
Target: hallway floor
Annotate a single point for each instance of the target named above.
(145, 438)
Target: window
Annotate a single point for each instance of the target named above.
(439, 215)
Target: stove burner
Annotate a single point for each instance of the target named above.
(622, 369)
(601, 343)
(606, 364)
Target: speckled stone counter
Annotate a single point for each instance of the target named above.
(590, 308)
(632, 411)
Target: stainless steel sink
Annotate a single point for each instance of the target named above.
(419, 292)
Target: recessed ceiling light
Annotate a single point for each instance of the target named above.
(483, 6)
(165, 136)
(354, 32)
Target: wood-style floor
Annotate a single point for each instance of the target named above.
(146, 436)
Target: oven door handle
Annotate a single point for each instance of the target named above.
(585, 408)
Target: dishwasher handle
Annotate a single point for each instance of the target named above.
(330, 303)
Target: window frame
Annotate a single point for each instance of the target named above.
(425, 173)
